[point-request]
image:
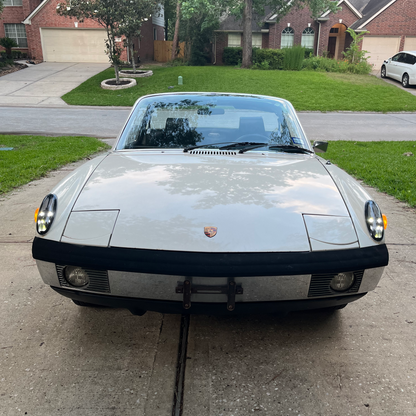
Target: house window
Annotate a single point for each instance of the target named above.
(154, 33)
(288, 35)
(234, 40)
(256, 40)
(308, 38)
(334, 30)
(17, 32)
(12, 2)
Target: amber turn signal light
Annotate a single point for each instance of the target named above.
(385, 221)
(36, 214)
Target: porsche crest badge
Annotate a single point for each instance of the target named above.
(210, 231)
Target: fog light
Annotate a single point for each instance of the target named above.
(76, 276)
(342, 282)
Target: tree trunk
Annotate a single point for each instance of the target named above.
(117, 72)
(176, 34)
(247, 35)
(132, 56)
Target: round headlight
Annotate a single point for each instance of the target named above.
(374, 220)
(76, 276)
(342, 282)
(46, 214)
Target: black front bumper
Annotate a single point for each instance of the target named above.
(140, 306)
(181, 263)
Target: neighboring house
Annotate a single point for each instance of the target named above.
(43, 34)
(391, 23)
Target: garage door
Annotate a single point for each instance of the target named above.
(73, 45)
(380, 48)
(410, 43)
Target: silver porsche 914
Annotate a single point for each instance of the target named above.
(211, 203)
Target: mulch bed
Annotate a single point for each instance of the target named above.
(122, 82)
(9, 69)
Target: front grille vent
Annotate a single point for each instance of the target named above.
(98, 280)
(213, 152)
(320, 285)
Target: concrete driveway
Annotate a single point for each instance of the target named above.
(58, 358)
(45, 83)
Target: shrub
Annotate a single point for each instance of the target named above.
(353, 54)
(16, 54)
(294, 57)
(273, 57)
(264, 65)
(8, 44)
(323, 64)
(308, 53)
(231, 56)
(177, 62)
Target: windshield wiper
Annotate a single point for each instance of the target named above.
(290, 148)
(186, 149)
(245, 146)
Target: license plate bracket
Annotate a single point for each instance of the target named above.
(231, 289)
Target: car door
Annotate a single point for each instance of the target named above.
(411, 67)
(392, 67)
(403, 65)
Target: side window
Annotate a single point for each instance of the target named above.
(403, 58)
(308, 38)
(396, 57)
(288, 35)
(234, 40)
(410, 59)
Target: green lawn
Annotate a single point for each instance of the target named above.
(380, 165)
(34, 156)
(308, 91)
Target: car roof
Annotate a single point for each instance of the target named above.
(412, 52)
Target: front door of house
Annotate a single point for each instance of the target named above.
(332, 44)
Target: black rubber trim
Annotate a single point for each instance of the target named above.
(139, 306)
(181, 263)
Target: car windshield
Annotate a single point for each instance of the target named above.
(229, 121)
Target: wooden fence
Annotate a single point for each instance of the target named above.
(163, 50)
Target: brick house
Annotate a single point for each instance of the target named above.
(391, 23)
(43, 34)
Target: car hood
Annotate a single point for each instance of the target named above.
(163, 200)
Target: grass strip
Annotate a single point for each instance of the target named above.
(33, 157)
(306, 90)
(382, 165)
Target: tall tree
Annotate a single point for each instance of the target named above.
(244, 9)
(135, 13)
(175, 41)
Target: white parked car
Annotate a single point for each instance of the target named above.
(211, 203)
(401, 67)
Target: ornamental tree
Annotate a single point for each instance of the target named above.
(121, 17)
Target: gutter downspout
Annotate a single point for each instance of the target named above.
(320, 20)
(319, 38)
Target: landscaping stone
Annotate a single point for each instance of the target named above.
(110, 84)
(139, 74)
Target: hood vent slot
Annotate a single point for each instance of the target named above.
(213, 152)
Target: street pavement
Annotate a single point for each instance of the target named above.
(107, 123)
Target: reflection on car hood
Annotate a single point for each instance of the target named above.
(255, 200)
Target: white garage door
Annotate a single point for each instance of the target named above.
(74, 45)
(380, 48)
(410, 43)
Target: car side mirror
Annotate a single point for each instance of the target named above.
(320, 147)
